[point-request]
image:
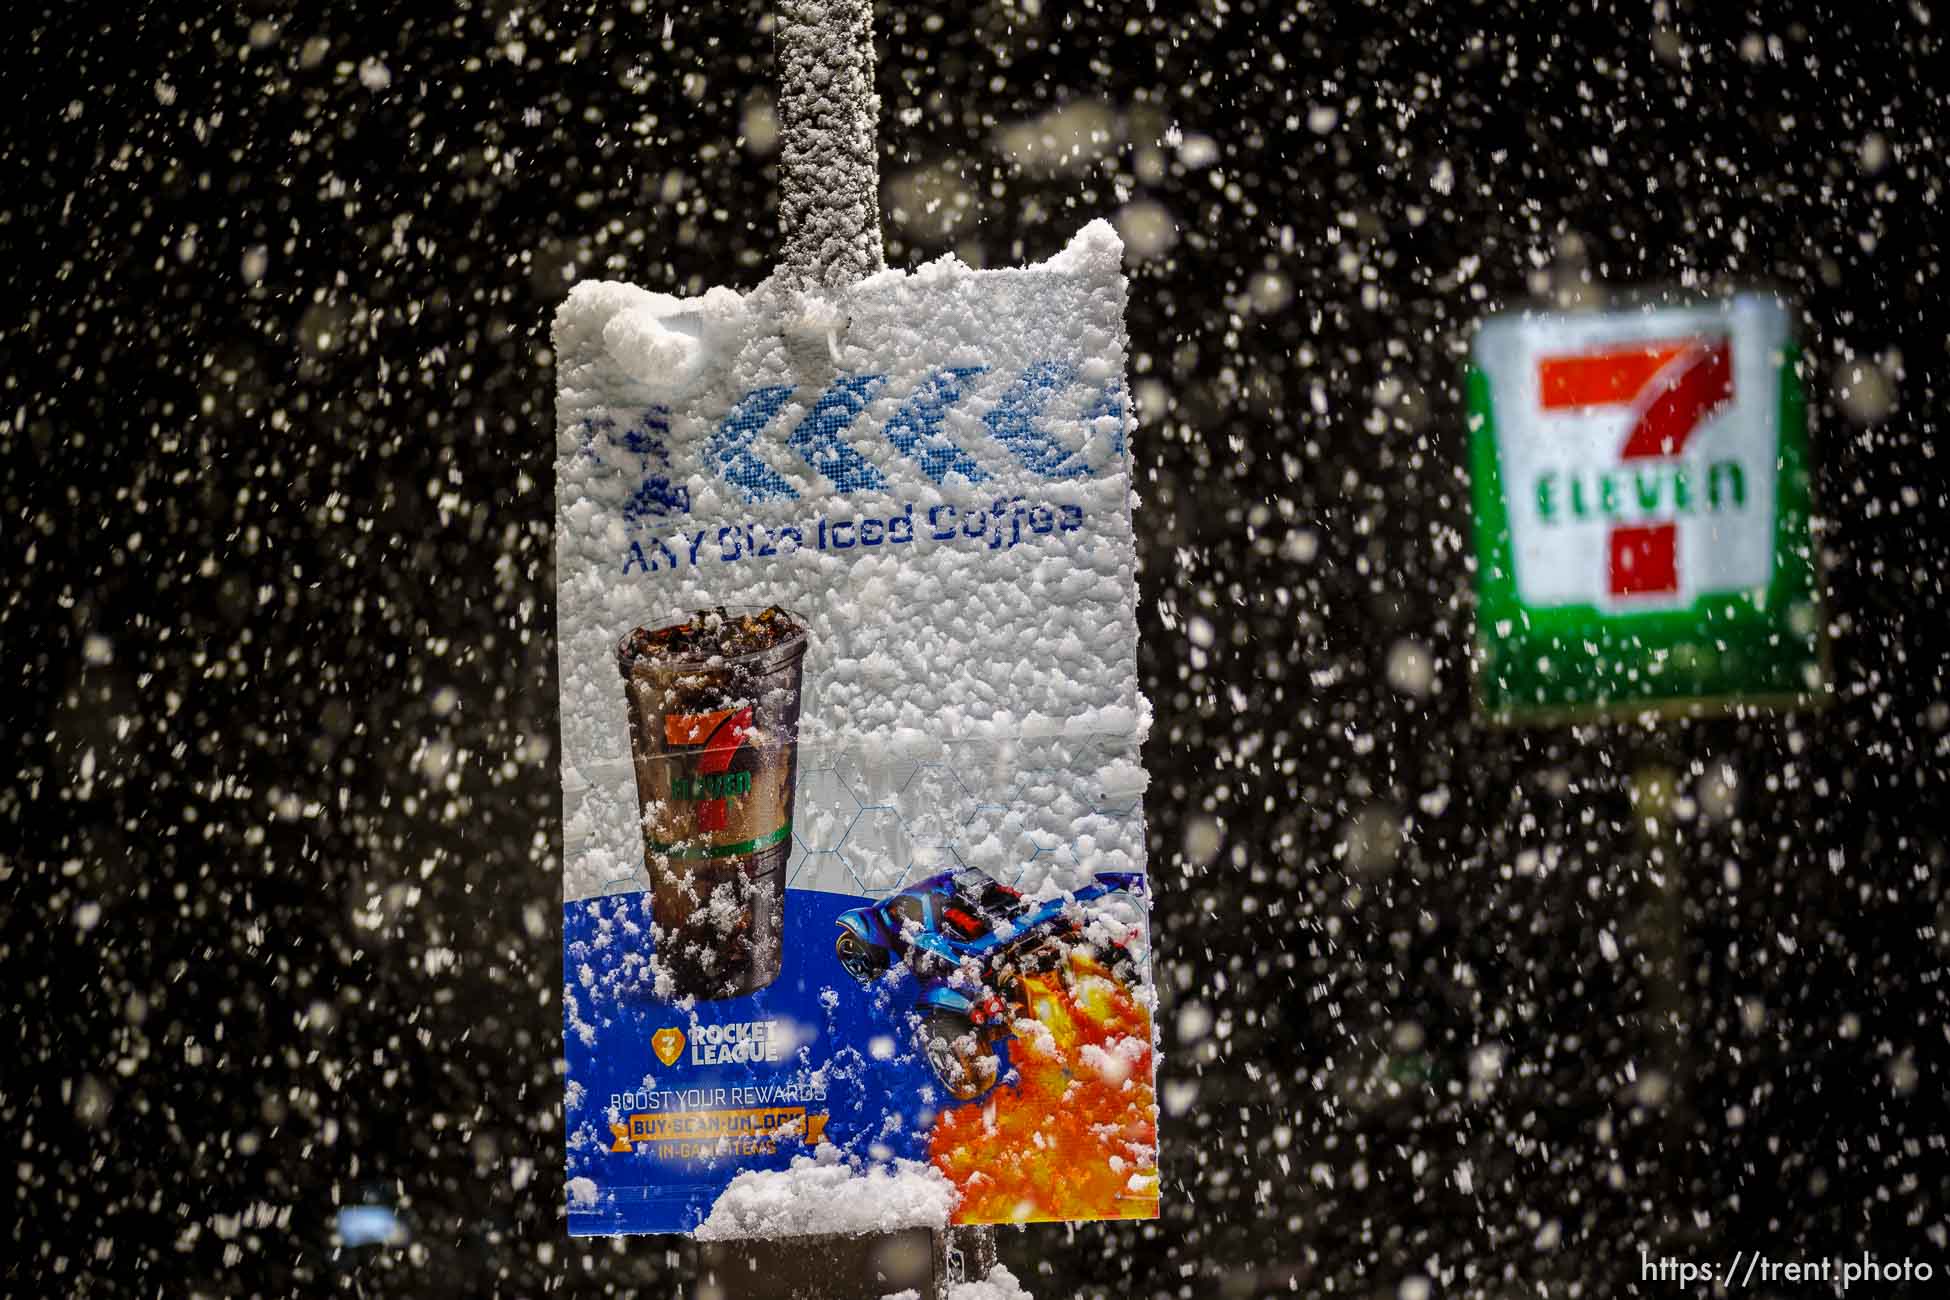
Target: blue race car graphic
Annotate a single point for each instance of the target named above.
(969, 940)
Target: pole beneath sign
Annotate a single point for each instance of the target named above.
(910, 1261)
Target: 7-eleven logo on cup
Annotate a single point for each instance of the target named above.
(712, 785)
(1636, 459)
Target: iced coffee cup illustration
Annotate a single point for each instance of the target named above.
(714, 731)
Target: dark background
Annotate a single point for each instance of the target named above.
(279, 907)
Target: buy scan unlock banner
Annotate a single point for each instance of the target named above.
(854, 889)
(1642, 503)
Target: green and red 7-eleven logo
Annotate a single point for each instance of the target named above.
(1641, 497)
(711, 784)
(1635, 473)
(1670, 389)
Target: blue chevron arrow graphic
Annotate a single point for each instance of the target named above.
(1110, 402)
(730, 447)
(817, 437)
(915, 429)
(1013, 422)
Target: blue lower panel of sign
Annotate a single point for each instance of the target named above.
(1002, 1041)
(703, 1093)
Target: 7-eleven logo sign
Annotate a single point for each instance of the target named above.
(1637, 456)
(1670, 390)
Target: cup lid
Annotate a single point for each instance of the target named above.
(711, 638)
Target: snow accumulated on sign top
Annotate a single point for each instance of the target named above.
(854, 855)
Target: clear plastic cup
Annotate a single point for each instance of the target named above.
(714, 732)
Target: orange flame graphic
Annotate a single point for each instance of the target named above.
(1076, 1137)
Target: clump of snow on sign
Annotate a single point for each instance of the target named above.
(822, 1193)
(1000, 1284)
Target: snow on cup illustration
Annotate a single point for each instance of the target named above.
(714, 732)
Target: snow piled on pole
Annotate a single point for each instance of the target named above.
(829, 206)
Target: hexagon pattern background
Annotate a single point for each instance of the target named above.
(1027, 813)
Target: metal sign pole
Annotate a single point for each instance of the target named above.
(829, 218)
(829, 200)
(910, 1261)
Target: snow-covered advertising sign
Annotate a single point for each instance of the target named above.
(855, 903)
(1642, 508)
